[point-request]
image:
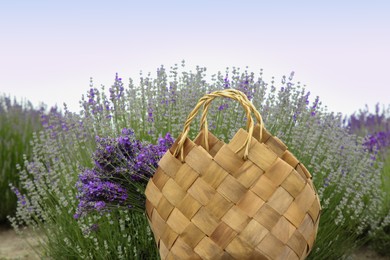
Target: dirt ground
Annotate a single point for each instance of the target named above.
(14, 247)
(366, 253)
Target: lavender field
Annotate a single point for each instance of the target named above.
(80, 183)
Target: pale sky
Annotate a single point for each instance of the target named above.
(339, 49)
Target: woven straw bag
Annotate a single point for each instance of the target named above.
(248, 199)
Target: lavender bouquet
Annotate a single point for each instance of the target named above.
(123, 166)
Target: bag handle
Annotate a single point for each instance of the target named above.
(205, 101)
(243, 99)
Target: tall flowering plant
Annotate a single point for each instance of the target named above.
(18, 121)
(378, 142)
(365, 122)
(374, 127)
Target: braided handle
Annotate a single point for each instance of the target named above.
(205, 101)
(243, 99)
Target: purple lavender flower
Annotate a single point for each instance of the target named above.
(116, 91)
(150, 114)
(223, 107)
(123, 165)
(246, 88)
(100, 205)
(226, 82)
(365, 122)
(172, 92)
(379, 141)
(21, 198)
(91, 95)
(375, 128)
(94, 192)
(291, 75)
(314, 106)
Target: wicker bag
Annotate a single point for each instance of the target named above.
(248, 199)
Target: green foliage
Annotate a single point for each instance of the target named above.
(108, 238)
(18, 121)
(380, 238)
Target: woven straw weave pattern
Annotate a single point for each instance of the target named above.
(216, 205)
(249, 199)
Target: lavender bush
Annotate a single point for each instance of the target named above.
(18, 121)
(365, 122)
(375, 128)
(343, 171)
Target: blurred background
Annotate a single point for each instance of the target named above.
(339, 49)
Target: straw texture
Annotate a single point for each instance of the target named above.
(248, 199)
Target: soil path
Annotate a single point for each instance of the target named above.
(13, 246)
(365, 253)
